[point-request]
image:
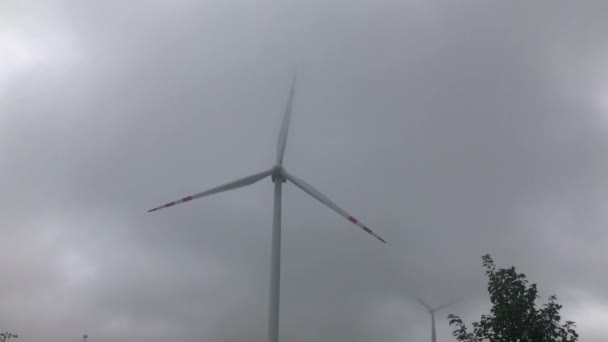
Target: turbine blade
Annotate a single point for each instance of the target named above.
(282, 142)
(446, 305)
(239, 183)
(319, 196)
(423, 303)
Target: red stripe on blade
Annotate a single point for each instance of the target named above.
(367, 230)
(352, 219)
(169, 204)
(186, 199)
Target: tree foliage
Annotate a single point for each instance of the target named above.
(514, 316)
(5, 336)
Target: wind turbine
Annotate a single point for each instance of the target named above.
(278, 175)
(432, 313)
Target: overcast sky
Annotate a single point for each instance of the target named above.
(452, 128)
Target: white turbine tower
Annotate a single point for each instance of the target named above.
(279, 175)
(431, 312)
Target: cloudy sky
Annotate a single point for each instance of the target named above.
(452, 128)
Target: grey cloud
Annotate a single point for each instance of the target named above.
(453, 130)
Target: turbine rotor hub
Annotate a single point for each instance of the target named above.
(277, 174)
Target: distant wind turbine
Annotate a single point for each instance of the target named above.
(431, 312)
(279, 175)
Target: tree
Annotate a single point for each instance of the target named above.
(514, 316)
(5, 336)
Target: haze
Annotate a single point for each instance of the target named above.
(453, 129)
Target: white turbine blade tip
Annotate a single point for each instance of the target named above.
(282, 141)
